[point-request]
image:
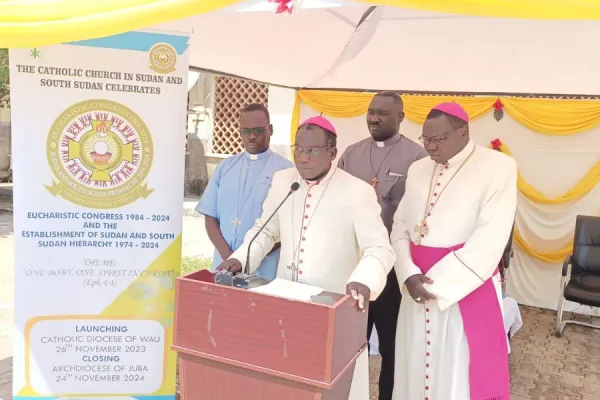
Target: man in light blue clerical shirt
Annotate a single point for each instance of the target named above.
(233, 199)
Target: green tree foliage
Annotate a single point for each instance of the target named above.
(4, 80)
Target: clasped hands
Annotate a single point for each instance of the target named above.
(416, 288)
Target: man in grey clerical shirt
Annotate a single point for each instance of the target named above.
(382, 161)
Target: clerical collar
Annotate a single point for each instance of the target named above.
(389, 141)
(259, 156)
(462, 155)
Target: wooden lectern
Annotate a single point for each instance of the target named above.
(235, 344)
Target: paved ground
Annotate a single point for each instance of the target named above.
(542, 367)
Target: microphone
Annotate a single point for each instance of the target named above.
(295, 186)
(246, 281)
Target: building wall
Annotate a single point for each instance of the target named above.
(231, 96)
(199, 124)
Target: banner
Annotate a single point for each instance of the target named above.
(98, 146)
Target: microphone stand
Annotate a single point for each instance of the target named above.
(244, 281)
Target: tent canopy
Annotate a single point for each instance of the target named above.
(325, 45)
(35, 23)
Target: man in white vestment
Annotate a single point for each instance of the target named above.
(330, 230)
(449, 232)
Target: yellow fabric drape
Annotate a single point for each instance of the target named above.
(335, 103)
(350, 106)
(580, 189)
(553, 257)
(562, 117)
(558, 117)
(554, 116)
(340, 104)
(417, 107)
(537, 9)
(344, 104)
(36, 23)
(548, 116)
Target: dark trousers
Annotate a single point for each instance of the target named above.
(383, 313)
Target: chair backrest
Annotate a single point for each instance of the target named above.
(586, 246)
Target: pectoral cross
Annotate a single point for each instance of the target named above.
(293, 268)
(422, 229)
(235, 223)
(374, 181)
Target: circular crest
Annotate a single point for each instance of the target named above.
(163, 58)
(100, 152)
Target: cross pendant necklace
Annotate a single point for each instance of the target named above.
(292, 267)
(375, 181)
(422, 229)
(235, 223)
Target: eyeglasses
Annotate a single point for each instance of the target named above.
(435, 139)
(255, 131)
(309, 151)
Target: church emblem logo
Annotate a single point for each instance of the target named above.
(100, 153)
(163, 58)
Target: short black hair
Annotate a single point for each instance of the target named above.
(455, 122)
(331, 138)
(257, 107)
(393, 95)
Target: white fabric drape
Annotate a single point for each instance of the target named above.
(512, 317)
(552, 164)
(192, 79)
(328, 28)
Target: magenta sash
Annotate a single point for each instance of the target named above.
(484, 329)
